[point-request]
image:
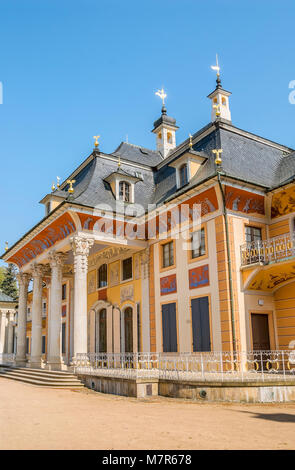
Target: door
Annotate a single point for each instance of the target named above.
(169, 328)
(128, 328)
(201, 324)
(260, 332)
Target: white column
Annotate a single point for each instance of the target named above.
(10, 333)
(36, 347)
(54, 359)
(23, 281)
(81, 247)
(2, 331)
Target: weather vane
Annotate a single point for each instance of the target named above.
(216, 67)
(162, 95)
(96, 137)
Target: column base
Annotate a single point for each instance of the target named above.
(20, 362)
(35, 363)
(55, 364)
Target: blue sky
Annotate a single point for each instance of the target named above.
(74, 69)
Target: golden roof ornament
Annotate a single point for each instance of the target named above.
(70, 183)
(6, 246)
(58, 181)
(190, 141)
(96, 143)
(53, 187)
(217, 153)
(217, 109)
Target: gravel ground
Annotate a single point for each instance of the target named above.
(38, 418)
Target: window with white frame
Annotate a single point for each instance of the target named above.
(124, 191)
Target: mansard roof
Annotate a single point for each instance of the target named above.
(246, 157)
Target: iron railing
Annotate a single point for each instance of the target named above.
(266, 251)
(203, 367)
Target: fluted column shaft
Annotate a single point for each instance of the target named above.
(23, 280)
(10, 333)
(54, 321)
(81, 247)
(36, 349)
(2, 331)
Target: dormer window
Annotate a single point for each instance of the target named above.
(124, 191)
(183, 179)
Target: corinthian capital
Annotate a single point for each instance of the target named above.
(38, 270)
(81, 245)
(56, 259)
(23, 279)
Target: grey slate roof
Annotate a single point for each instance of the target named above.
(245, 157)
(5, 298)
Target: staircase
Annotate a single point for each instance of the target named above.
(41, 377)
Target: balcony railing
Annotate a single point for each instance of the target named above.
(205, 367)
(266, 251)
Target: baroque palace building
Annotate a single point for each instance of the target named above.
(121, 263)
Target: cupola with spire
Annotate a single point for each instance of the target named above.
(164, 129)
(219, 98)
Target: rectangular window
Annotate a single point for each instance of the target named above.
(27, 345)
(43, 344)
(253, 234)
(44, 307)
(201, 324)
(127, 269)
(64, 292)
(198, 243)
(63, 338)
(102, 276)
(169, 330)
(167, 255)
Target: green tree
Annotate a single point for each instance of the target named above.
(8, 285)
(2, 274)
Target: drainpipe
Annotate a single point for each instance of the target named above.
(224, 211)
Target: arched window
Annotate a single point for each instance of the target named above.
(128, 329)
(101, 331)
(124, 191)
(102, 276)
(169, 137)
(183, 175)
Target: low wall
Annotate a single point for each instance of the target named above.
(239, 392)
(139, 388)
(251, 392)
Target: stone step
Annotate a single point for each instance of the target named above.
(39, 372)
(39, 377)
(41, 380)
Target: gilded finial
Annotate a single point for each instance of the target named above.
(190, 141)
(53, 187)
(161, 93)
(119, 161)
(96, 143)
(6, 246)
(71, 189)
(217, 153)
(58, 182)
